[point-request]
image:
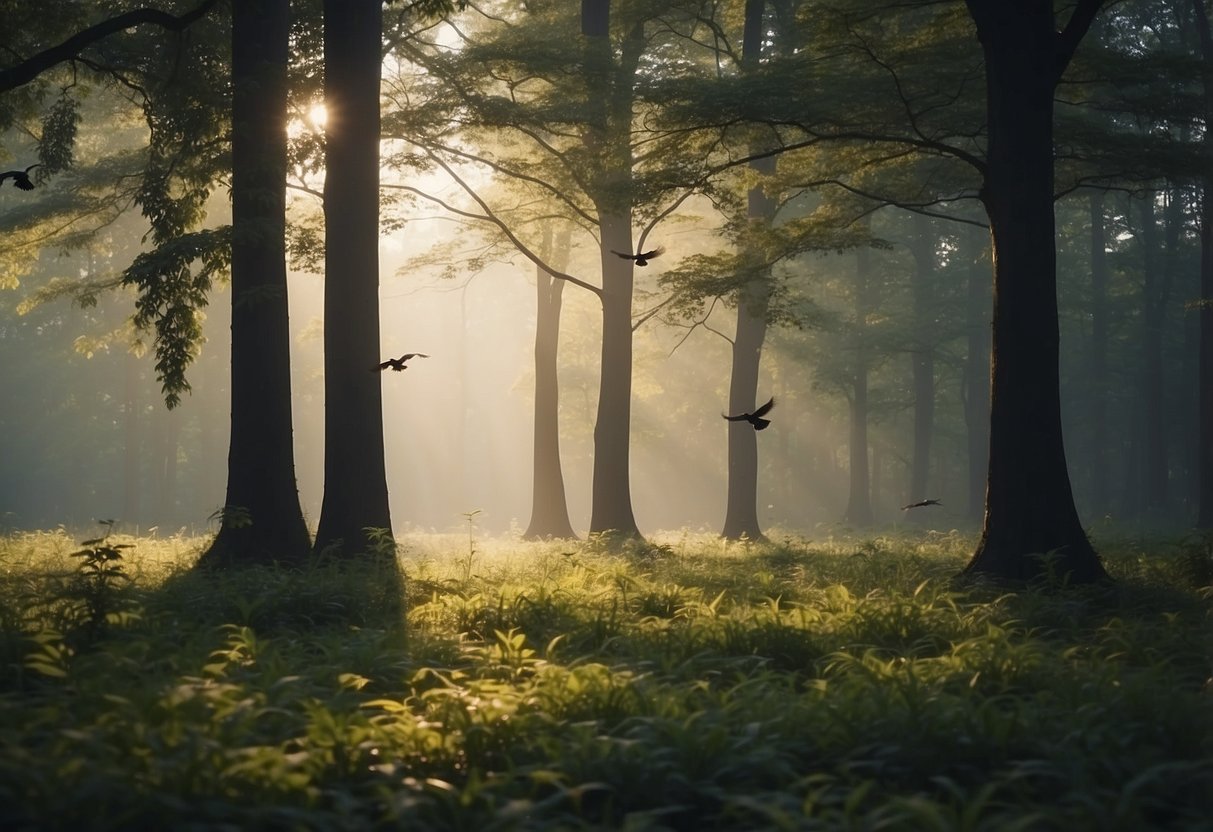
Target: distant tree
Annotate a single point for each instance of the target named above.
(549, 504)
(261, 519)
(923, 247)
(859, 496)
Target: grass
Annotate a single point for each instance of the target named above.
(837, 684)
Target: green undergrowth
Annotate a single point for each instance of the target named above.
(833, 684)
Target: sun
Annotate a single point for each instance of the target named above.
(317, 116)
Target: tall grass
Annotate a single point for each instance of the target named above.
(837, 684)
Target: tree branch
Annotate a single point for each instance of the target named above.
(491, 217)
(1076, 29)
(30, 68)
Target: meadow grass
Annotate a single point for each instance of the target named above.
(833, 684)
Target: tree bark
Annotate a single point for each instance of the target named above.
(261, 518)
(355, 504)
(549, 504)
(1031, 525)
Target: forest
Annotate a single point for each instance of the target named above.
(606, 414)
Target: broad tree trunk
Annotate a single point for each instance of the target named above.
(859, 502)
(355, 479)
(1029, 503)
(611, 510)
(549, 504)
(1204, 441)
(923, 356)
(977, 369)
(261, 519)
(609, 86)
(741, 512)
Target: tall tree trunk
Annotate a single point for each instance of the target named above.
(741, 512)
(923, 356)
(549, 504)
(611, 509)
(753, 301)
(1155, 293)
(859, 501)
(1097, 364)
(355, 480)
(1204, 441)
(610, 91)
(977, 369)
(1030, 509)
(261, 519)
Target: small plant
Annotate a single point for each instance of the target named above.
(95, 586)
(466, 563)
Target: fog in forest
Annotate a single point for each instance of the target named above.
(877, 351)
(88, 436)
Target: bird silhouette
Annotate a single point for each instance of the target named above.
(921, 503)
(643, 258)
(20, 177)
(755, 418)
(397, 364)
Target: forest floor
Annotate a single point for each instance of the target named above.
(847, 683)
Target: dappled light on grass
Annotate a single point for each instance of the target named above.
(685, 684)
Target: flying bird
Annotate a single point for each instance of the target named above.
(20, 177)
(643, 258)
(921, 503)
(397, 364)
(755, 418)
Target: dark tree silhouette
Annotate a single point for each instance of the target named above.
(261, 521)
(27, 70)
(1029, 502)
(355, 479)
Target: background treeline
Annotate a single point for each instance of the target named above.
(880, 275)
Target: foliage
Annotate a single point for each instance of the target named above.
(837, 684)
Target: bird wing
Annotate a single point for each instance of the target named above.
(624, 256)
(381, 366)
(734, 418)
(765, 409)
(411, 355)
(649, 255)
